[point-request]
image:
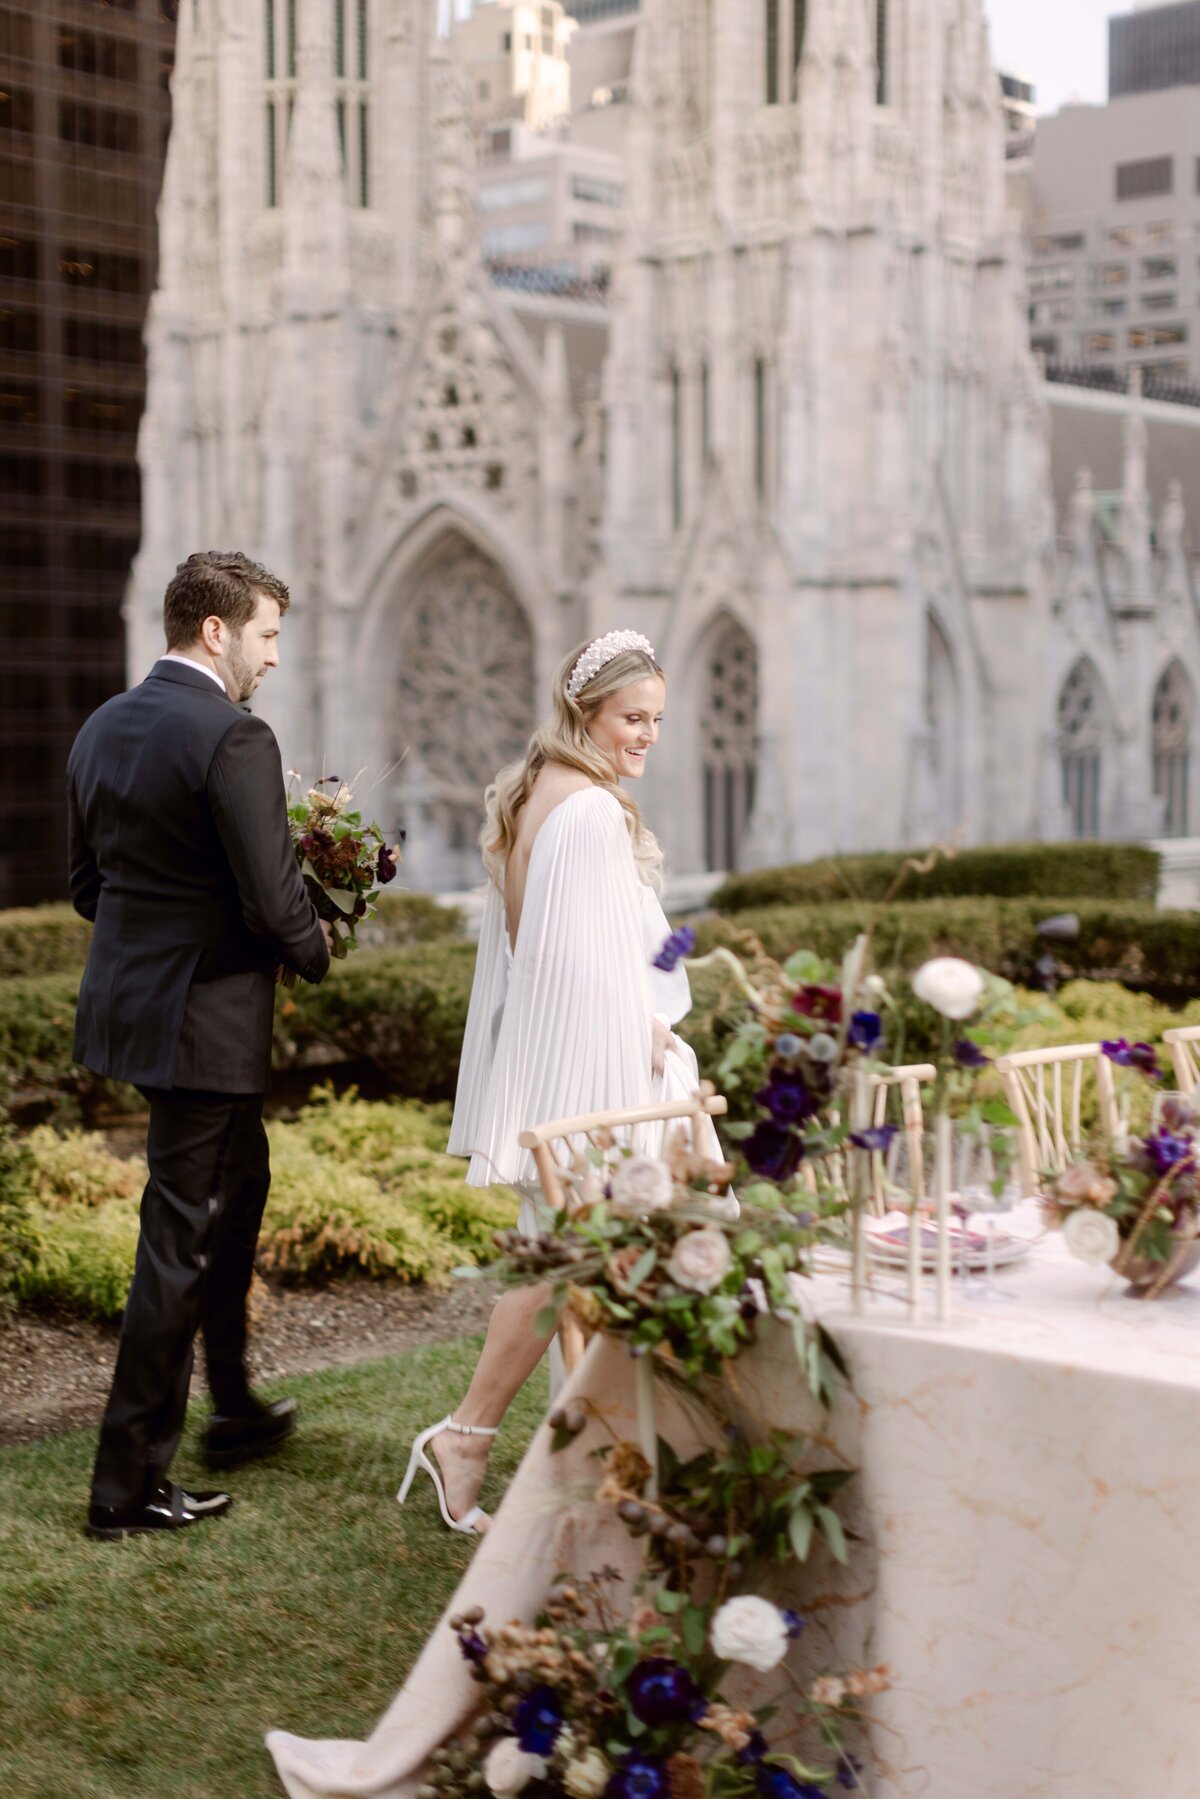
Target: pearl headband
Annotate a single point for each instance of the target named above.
(601, 651)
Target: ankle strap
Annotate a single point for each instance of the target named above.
(472, 1430)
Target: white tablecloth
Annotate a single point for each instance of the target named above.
(1031, 1489)
(1029, 1503)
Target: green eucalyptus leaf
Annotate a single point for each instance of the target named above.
(800, 1530)
(831, 1530)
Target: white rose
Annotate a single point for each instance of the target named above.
(1092, 1236)
(509, 1768)
(751, 1631)
(588, 1777)
(642, 1184)
(951, 986)
(701, 1260)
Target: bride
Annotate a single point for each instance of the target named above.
(567, 1014)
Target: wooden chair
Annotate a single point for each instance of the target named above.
(908, 1078)
(1049, 1131)
(555, 1145)
(1180, 1043)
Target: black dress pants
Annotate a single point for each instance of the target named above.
(200, 1218)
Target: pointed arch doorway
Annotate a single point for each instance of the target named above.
(463, 704)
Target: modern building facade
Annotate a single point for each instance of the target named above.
(1154, 47)
(801, 443)
(84, 111)
(1114, 273)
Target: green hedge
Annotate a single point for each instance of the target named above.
(42, 940)
(53, 939)
(1128, 941)
(1119, 871)
(401, 1012)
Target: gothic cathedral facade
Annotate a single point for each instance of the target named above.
(810, 457)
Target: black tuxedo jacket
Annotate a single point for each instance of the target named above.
(180, 855)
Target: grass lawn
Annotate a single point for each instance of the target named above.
(152, 1667)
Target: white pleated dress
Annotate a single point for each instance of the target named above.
(563, 1025)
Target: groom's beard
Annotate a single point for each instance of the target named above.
(237, 674)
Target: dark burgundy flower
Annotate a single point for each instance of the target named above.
(660, 1691)
(640, 1777)
(538, 1720)
(818, 1000)
(680, 943)
(773, 1151)
(847, 1773)
(969, 1055)
(786, 1097)
(876, 1137)
(866, 1030)
(315, 843)
(385, 866)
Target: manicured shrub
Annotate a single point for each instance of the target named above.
(1119, 871)
(37, 1022)
(18, 1226)
(77, 1168)
(402, 919)
(402, 1011)
(84, 1260)
(42, 940)
(1128, 941)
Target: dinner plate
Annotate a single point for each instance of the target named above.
(890, 1245)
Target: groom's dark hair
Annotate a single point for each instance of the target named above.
(217, 584)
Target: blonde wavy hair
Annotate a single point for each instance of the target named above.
(563, 738)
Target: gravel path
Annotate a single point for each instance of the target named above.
(55, 1371)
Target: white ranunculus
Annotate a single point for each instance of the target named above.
(587, 1777)
(1092, 1236)
(701, 1260)
(750, 1631)
(509, 1768)
(641, 1184)
(951, 986)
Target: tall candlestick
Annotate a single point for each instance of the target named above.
(941, 1167)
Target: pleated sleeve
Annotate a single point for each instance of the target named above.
(575, 1033)
(488, 992)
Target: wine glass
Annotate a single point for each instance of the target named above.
(996, 1189)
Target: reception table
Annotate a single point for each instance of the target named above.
(1029, 1565)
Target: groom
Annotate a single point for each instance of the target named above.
(180, 854)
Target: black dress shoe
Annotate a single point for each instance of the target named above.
(231, 1438)
(168, 1507)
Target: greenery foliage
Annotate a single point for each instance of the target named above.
(1121, 871)
(42, 940)
(357, 1187)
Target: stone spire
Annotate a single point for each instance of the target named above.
(453, 206)
(1136, 525)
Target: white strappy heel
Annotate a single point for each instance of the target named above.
(469, 1522)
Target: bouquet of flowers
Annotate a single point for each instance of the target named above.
(1134, 1202)
(344, 861)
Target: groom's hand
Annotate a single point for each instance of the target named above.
(327, 933)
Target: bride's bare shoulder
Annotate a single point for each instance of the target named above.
(555, 782)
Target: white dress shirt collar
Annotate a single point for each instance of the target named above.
(190, 662)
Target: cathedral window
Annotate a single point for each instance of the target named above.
(362, 40)
(1081, 714)
(881, 47)
(364, 155)
(705, 415)
(784, 23)
(291, 39)
(339, 38)
(269, 34)
(761, 429)
(1172, 729)
(729, 711)
(676, 447)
